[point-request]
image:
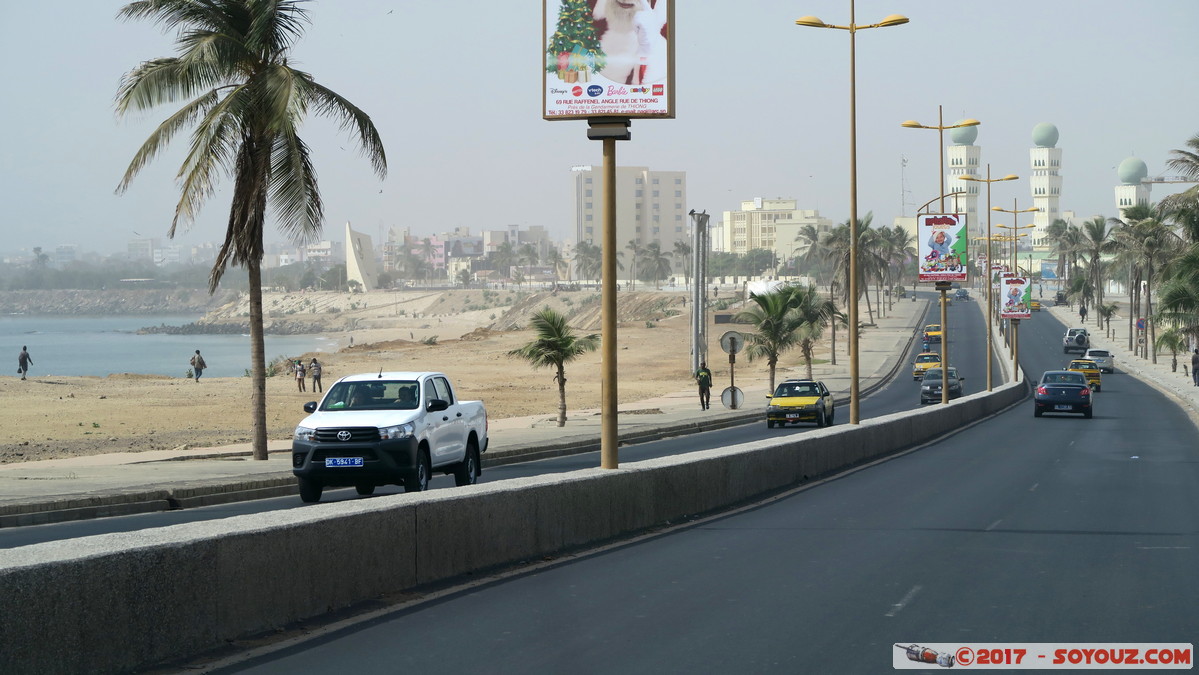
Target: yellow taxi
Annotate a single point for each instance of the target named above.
(796, 401)
(1090, 369)
(1035, 305)
(923, 362)
(932, 332)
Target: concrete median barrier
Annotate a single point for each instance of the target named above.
(120, 602)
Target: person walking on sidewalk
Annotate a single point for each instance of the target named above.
(314, 369)
(703, 377)
(198, 365)
(1082, 312)
(1194, 367)
(23, 361)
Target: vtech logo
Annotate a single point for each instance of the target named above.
(594, 90)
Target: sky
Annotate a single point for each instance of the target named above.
(454, 89)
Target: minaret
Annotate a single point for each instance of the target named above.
(1132, 191)
(1045, 183)
(962, 160)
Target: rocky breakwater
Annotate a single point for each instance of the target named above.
(270, 327)
(111, 302)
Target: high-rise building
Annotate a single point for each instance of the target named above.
(650, 207)
(1045, 181)
(770, 224)
(961, 159)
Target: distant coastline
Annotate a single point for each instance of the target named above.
(127, 302)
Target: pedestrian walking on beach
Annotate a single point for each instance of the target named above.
(703, 377)
(300, 375)
(315, 369)
(23, 361)
(1194, 367)
(198, 365)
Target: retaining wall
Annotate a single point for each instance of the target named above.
(117, 602)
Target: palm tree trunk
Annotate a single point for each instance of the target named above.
(257, 363)
(1151, 343)
(561, 396)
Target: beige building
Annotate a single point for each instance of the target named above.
(770, 224)
(650, 206)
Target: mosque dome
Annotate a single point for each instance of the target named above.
(1044, 135)
(964, 135)
(1131, 171)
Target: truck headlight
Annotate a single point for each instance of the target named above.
(397, 432)
(304, 434)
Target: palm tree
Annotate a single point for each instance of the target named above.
(588, 260)
(682, 255)
(428, 250)
(835, 248)
(1171, 340)
(554, 259)
(1186, 163)
(504, 258)
(777, 328)
(556, 345)
(464, 277)
(809, 251)
(247, 105)
(657, 264)
(527, 254)
(1054, 234)
(814, 313)
(1095, 240)
(1150, 244)
(638, 251)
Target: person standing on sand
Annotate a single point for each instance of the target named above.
(315, 369)
(198, 365)
(23, 361)
(299, 375)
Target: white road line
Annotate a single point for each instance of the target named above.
(1034, 487)
(994, 525)
(898, 607)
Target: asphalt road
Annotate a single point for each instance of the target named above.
(966, 341)
(1014, 529)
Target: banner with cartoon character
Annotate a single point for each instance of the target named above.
(608, 58)
(942, 239)
(1015, 298)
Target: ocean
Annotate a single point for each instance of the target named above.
(110, 344)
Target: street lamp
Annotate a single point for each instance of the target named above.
(942, 286)
(853, 28)
(1015, 323)
(990, 301)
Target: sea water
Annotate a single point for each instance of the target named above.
(110, 344)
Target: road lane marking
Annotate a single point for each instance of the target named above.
(898, 607)
(993, 525)
(1034, 487)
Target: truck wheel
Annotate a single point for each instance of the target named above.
(310, 490)
(365, 489)
(418, 480)
(467, 472)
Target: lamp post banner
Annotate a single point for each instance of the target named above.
(942, 240)
(607, 58)
(1016, 298)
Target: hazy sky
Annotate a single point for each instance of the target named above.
(762, 110)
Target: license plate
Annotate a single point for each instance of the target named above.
(343, 461)
(1063, 407)
(792, 416)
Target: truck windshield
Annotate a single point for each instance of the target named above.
(373, 395)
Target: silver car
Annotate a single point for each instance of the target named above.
(1102, 358)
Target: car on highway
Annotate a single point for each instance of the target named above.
(932, 332)
(930, 385)
(1035, 305)
(923, 362)
(1090, 369)
(961, 294)
(1076, 340)
(1102, 358)
(1062, 391)
(796, 401)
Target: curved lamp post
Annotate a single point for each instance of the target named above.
(853, 28)
(990, 301)
(1015, 239)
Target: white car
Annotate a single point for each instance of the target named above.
(1102, 358)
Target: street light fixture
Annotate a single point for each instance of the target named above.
(1015, 323)
(942, 286)
(990, 261)
(853, 28)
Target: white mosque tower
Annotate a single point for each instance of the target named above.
(962, 160)
(1132, 191)
(1045, 183)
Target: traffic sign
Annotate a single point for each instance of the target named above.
(732, 398)
(732, 342)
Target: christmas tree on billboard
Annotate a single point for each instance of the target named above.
(574, 50)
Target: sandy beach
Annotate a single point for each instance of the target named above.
(465, 333)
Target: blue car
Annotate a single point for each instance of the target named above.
(1063, 391)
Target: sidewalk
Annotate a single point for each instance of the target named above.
(1158, 375)
(123, 483)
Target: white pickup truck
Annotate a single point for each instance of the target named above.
(388, 429)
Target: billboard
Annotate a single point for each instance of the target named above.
(942, 239)
(1015, 298)
(607, 58)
